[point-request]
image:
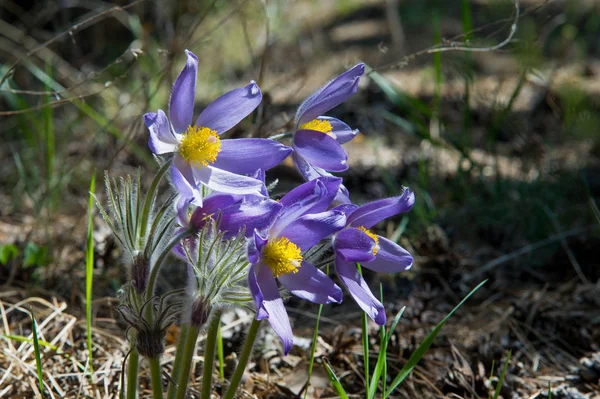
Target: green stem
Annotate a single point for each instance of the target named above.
(209, 355)
(183, 334)
(156, 377)
(186, 362)
(132, 373)
(244, 356)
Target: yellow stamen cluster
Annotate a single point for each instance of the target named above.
(373, 236)
(319, 126)
(282, 256)
(200, 146)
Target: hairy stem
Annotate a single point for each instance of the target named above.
(209, 355)
(132, 373)
(156, 377)
(186, 361)
(244, 356)
(183, 334)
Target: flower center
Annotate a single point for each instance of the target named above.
(200, 146)
(373, 236)
(282, 256)
(318, 126)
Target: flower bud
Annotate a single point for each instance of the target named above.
(200, 310)
(140, 272)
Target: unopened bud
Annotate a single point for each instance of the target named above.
(199, 312)
(140, 272)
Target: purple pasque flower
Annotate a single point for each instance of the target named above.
(202, 158)
(317, 138)
(276, 254)
(233, 213)
(356, 243)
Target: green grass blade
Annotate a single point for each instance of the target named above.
(420, 352)
(314, 345)
(49, 140)
(502, 375)
(365, 341)
(89, 271)
(334, 380)
(46, 344)
(382, 337)
(220, 354)
(38, 356)
(549, 390)
(381, 366)
(437, 64)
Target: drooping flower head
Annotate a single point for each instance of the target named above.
(202, 158)
(356, 243)
(276, 253)
(317, 138)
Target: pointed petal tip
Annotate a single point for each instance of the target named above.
(189, 54)
(287, 346)
(380, 318)
(253, 89)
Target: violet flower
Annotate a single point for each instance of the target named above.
(276, 254)
(202, 158)
(317, 139)
(232, 213)
(356, 243)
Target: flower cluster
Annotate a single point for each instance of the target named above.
(222, 195)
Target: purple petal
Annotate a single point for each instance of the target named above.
(331, 95)
(226, 182)
(246, 156)
(211, 205)
(260, 175)
(308, 230)
(312, 284)
(255, 246)
(178, 248)
(311, 172)
(320, 150)
(214, 202)
(391, 258)
(316, 194)
(182, 206)
(311, 197)
(184, 182)
(360, 291)
(347, 209)
(374, 212)
(250, 215)
(273, 305)
(229, 109)
(161, 140)
(343, 196)
(354, 245)
(261, 312)
(181, 107)
(342, 132)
